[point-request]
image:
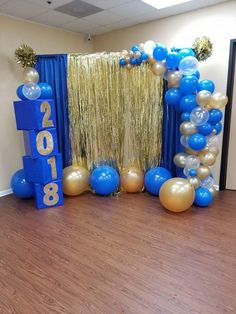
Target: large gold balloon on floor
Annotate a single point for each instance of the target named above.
(131, 180)
(177, 195)
(75, 180)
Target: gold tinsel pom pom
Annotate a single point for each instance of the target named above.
(25, 55)
(202, 47)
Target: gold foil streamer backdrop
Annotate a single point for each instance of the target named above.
(115, 114)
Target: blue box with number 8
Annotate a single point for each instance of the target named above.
(48, 195)
(35, 114)
(43, 170)
(40, 143)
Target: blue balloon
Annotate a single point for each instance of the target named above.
(185, 116)
(197, 74)
(206, 85)
(160, 52)
(192, 172)
(144, 56)
(135, 48)
(215, 116)
(139, 61)
(197, 141)
(104, 180)
(218, 127)
(133, 61)
(205, 129)
(154, 178)
(122, 62)
(188, 103)
(203, 197)
(172, 96)
(173, 60)
(20, 186)
(46, 91)
(19, 92)
(188, 84)
(186, 52)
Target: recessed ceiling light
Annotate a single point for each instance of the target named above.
(161, 4)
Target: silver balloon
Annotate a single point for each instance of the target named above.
(30, 75)
(192, 162)
(179, 160)
(187, 128)
(31, 91)
(195, 182)
(184, 140)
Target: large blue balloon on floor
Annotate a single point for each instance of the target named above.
(20, 186)
(154, 178)
(104, 180)
(46, 91)
(19, 92)
(203, 197)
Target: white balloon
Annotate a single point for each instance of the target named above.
(184, 140)
(192, 162)
(208, 182)
(188, 65)
(149, 46)
(199, 115)
(31, 91)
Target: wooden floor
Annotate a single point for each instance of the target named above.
(120, 254)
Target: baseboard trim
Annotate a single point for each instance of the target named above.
(5, 192)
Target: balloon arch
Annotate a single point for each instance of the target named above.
(199, 106)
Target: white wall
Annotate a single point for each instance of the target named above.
(218, 22)
(13, 33)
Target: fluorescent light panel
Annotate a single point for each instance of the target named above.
(161, 4)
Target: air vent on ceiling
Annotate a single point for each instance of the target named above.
(78, 9)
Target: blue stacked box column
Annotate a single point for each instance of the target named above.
(42, 163)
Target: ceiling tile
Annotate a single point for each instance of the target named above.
(53, 18)
(107, 4)
(121, 24)
(22, 8)
(103, 18)
(80, 25)
(132, 8)
(98, 30)
(53, 5)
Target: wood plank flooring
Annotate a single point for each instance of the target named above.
(122, 254)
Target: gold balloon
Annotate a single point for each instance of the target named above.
(75, 180)
(203, 98)
(203, 172)
(213, 191)
(218, 100)
(214, 150)
(187, 128)
(124, 53)
(30, 75)
(174, 78)
(194, 181)
(129, 66)
(177, 195)
(207, 158)
(151, 60)
(158, 68)
(180, 159)
(131, 180)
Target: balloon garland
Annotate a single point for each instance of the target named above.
(200, 109)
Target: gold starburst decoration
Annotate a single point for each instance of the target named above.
(203, 48)
(25, 55)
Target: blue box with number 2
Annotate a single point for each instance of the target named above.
(35, 114)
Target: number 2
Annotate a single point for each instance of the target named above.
(45, 107)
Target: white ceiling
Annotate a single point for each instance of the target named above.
(117, 14)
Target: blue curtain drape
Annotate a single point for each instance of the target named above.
(53, 70)
(170, 137)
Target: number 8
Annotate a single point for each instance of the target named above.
(51, 196)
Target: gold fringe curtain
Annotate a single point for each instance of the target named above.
(115, 114)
